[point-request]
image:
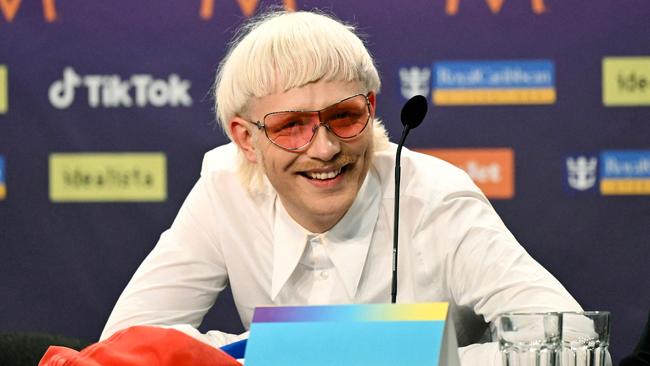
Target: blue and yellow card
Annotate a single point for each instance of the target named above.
(371, 334)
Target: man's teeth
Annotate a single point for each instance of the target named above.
(323, 176)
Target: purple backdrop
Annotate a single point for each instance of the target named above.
(63, 265)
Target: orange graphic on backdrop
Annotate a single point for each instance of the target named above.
(491, 169)
(9, 9)
(247, 7)
(538, 6)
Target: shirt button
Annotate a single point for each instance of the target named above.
(324, 275)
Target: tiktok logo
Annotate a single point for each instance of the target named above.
(110, 91)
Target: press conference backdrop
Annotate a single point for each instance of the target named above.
(106, 112)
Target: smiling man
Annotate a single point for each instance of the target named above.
(316, 161)
(297, 208)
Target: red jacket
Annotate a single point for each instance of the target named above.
(141, 346)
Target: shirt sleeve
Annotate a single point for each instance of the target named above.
(181, 278)
(489, 271)
(485, 269)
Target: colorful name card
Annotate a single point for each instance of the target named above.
(371, 334)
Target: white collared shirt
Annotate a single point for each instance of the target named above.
(453, 247)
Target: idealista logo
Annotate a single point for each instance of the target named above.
(108, 177)
(3, 185)
(492, 169)
(493, 82)
(626, 81)
(110, 91)
(614, 172)
(4, 89)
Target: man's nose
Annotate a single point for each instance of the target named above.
(324, 145)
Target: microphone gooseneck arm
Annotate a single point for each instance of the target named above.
(412, 115)
(398, 156)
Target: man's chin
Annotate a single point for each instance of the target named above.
(330, 205)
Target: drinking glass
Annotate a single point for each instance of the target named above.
(585, 338)
(529, 338)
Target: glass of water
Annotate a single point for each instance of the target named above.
(585, 338)
(529, 338)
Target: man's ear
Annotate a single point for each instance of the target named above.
(372, 99)
(242, 133)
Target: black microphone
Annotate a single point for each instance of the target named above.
(412, 115)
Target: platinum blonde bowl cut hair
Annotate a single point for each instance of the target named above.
(281, 50)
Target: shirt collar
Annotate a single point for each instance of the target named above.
(347, 243)
(289, 241)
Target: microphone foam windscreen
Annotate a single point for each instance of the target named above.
(414, 111)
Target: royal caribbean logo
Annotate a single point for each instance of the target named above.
(493, 82)
(625, 172)
(414, 81)
(3, 185)
(492, 169)
(581, 172)
(108, 177)
(626, 81)
(613, 172)
(4, 89)
(110, 91)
